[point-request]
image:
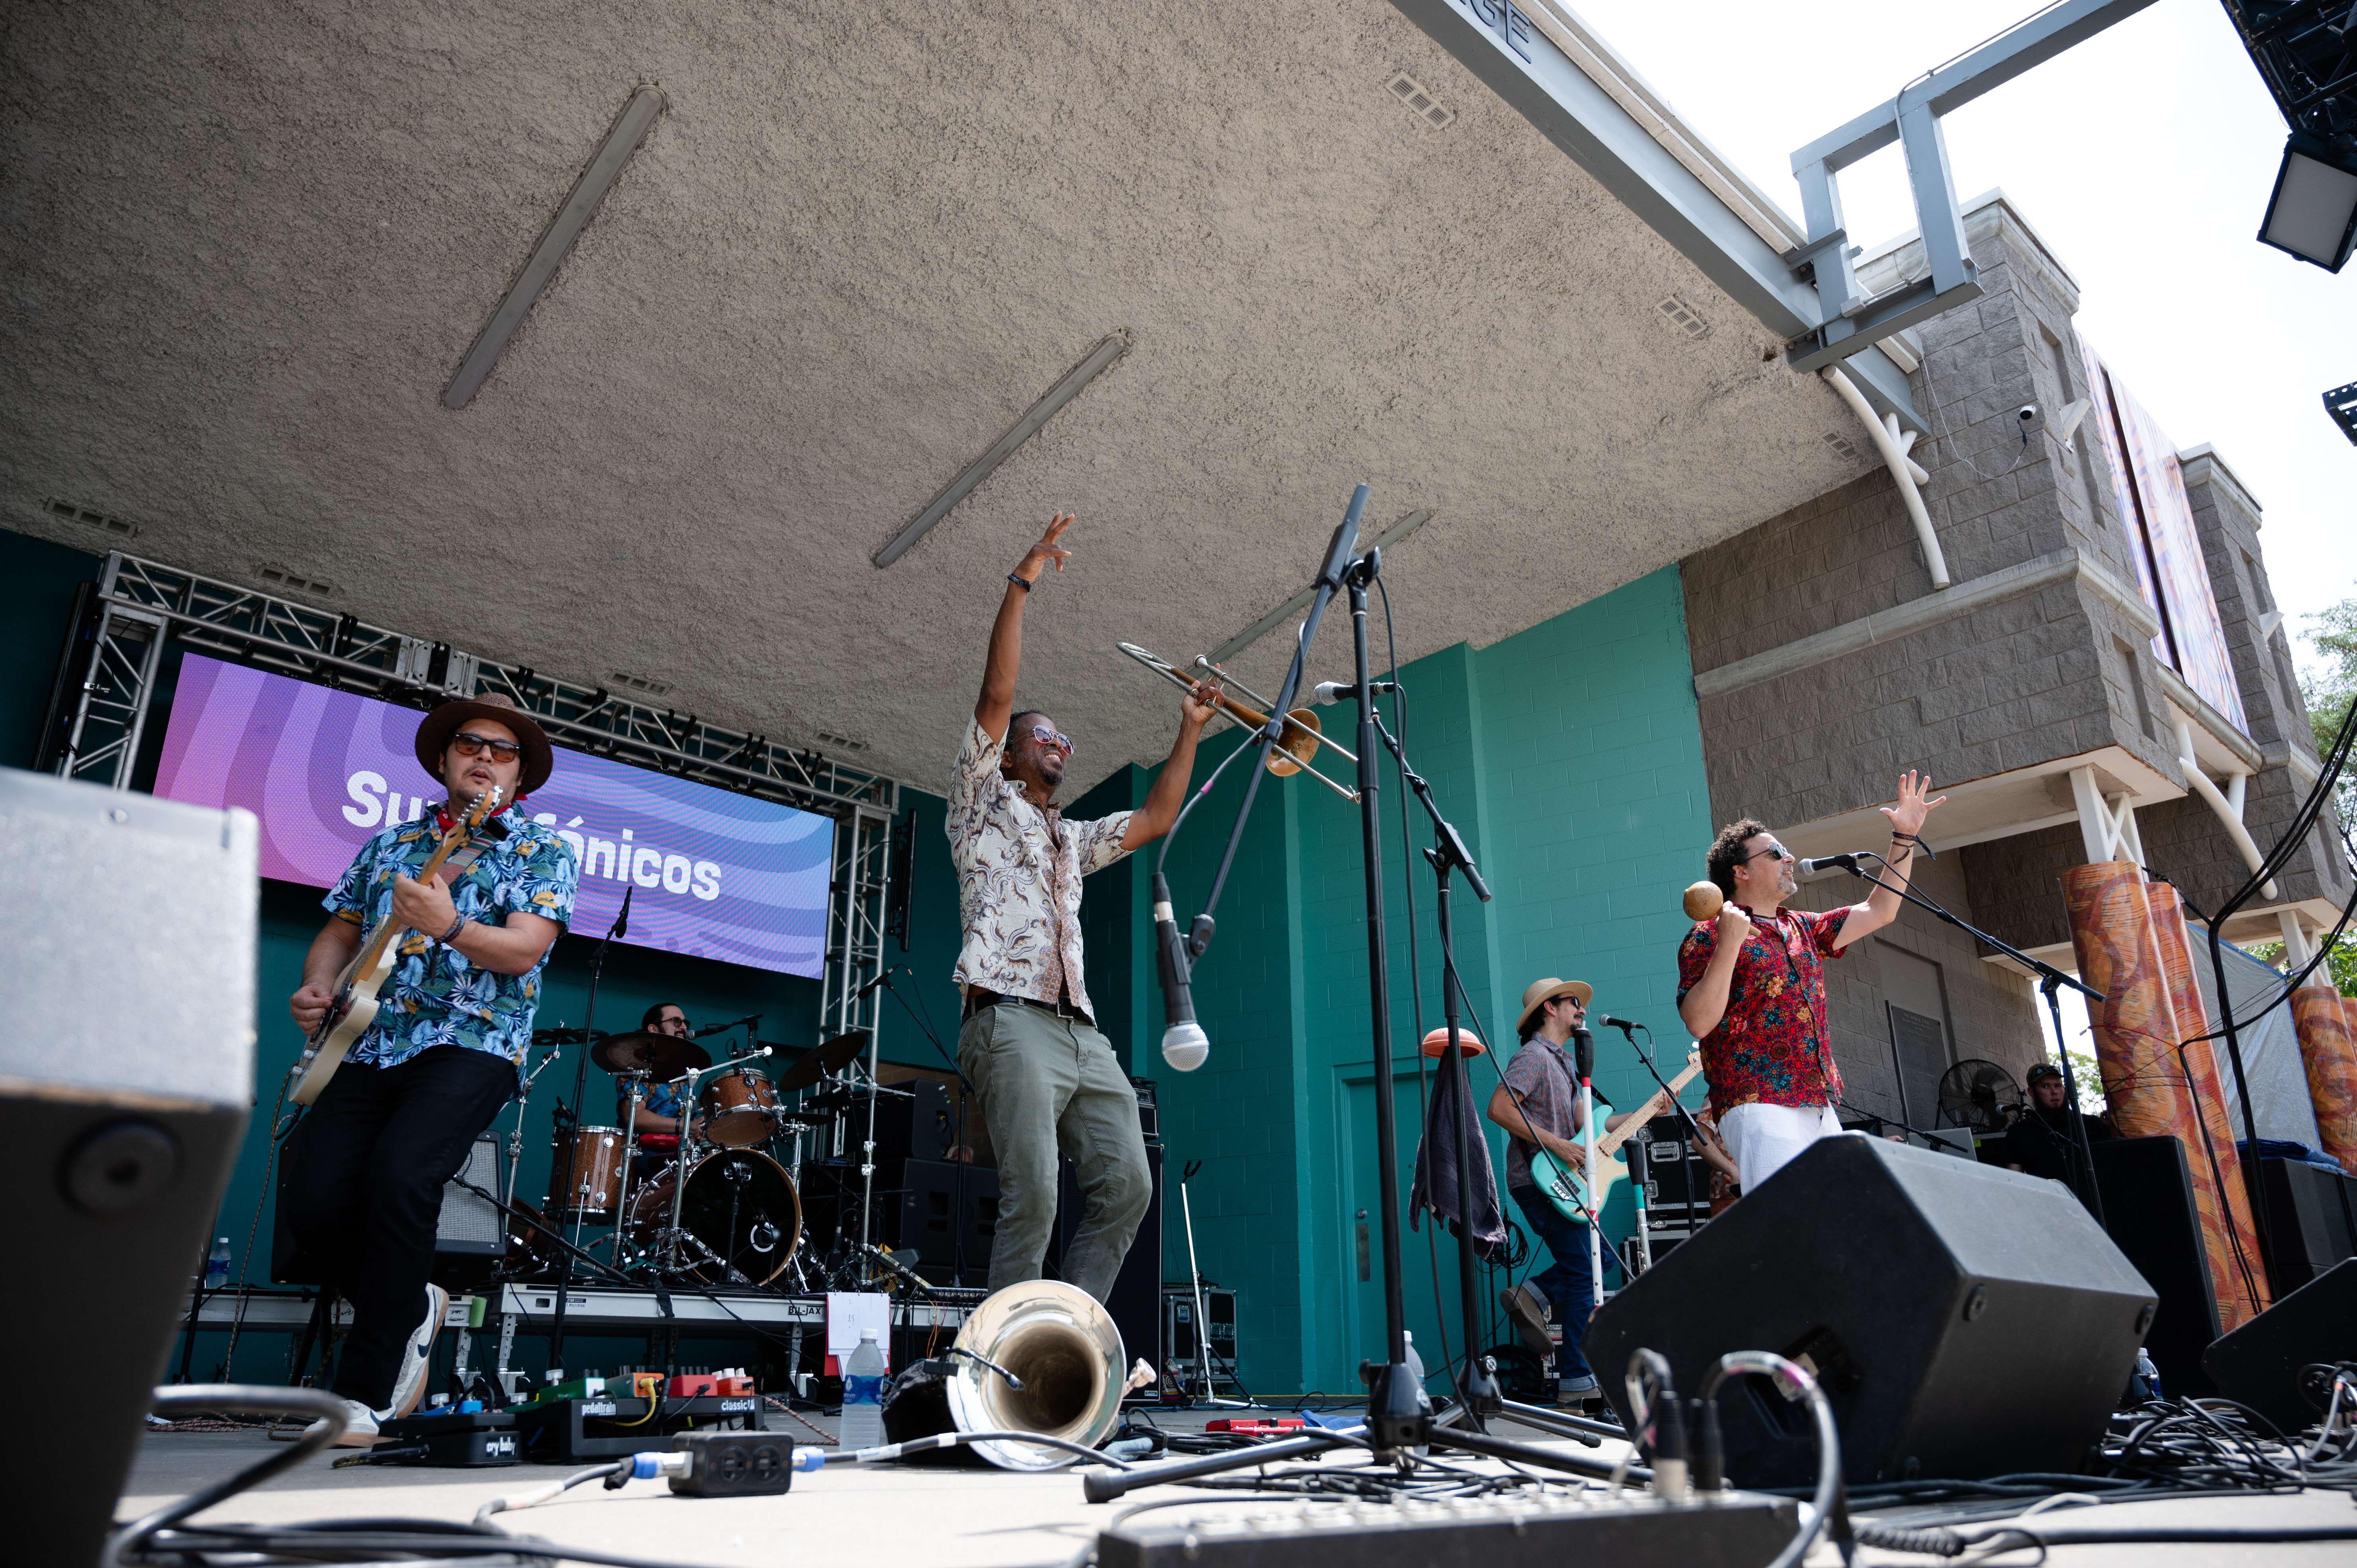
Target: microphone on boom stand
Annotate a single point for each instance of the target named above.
(1184, 1044)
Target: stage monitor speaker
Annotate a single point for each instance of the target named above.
(2310, 1219)
(2148, 1193)
(126, 1069)
(2259, 1363)
(1964, 1320)
(931, 1220)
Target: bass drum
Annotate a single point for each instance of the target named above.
(742, 1217)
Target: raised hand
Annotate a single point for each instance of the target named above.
(1034, 564)
(1734, 925)
(1907, 817)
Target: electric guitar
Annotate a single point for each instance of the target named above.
(354, 1008)
(1565, 1186)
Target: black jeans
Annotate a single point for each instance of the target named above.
(375, 1151)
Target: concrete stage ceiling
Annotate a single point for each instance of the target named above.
(246, 245)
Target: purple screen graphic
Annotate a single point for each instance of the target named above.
(717, 875)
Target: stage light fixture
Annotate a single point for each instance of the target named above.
(2312, 213)
(622, 139)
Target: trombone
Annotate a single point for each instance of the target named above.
(1298, 743)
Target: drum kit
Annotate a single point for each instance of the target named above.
(712, 1204)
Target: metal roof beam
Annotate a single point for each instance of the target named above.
(1499, 43)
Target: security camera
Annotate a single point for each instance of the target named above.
(2026, 412)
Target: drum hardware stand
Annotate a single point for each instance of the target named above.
(621, 928)
(523, 1101)
(637, 1094)
(694, 1082)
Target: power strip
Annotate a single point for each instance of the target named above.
(1627, 1529)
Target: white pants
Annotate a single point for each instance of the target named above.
(1762, 1139)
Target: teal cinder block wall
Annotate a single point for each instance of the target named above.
(1570, 758)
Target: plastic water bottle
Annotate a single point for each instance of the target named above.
(863, 1398)
(217, 1265)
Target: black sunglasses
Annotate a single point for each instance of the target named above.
(1778, 850)
(467, 744)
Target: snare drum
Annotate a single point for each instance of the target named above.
(596, 1183)
(741, 1108)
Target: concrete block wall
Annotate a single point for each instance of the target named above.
(2045, 674)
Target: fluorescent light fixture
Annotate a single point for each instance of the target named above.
(2313, 212)
(1023, 429)
(1300, 601)
(629, 129)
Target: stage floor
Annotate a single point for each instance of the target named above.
(900, 1517)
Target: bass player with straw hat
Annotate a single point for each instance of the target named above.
(1538, 1105)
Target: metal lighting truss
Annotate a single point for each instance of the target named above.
(140, 602)
(139, 605)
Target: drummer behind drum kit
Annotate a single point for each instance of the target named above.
(711, 1205)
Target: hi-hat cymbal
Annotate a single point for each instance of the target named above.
(560, 1036)
(642, 1050)
(827, 1058)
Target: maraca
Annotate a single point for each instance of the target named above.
(1703, 901)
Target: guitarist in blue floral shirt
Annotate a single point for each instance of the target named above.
(445, 1050)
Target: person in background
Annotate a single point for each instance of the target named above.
(1538, 1105)
(2044, 1139)
(659, 1112)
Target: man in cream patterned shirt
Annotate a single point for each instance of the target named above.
(1045, 1076)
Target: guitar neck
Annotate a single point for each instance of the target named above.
(1659, 1099)
(374, 951)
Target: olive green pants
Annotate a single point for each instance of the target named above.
(1050, 1084)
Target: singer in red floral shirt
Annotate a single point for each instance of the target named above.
(1752, 988)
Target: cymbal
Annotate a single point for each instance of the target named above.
(825, 1058)
(642, 1050)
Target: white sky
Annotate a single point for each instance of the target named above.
(2144, 157)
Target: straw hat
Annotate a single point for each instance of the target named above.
(1539, 992)
(434, 732)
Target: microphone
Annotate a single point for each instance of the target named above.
(1628, 1030)
(1184, 1044)
(869, 989)
(622, 920)
(754, 1018)
(1583, 1053)
(1832, 863)
(1335, 690)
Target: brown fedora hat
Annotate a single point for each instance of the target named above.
(435, 730)
(1539, 992)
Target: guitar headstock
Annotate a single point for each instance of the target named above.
(484, 805)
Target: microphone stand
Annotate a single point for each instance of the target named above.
(2050, 984)
(621, 927)
(1478, 1394)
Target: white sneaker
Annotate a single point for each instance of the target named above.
(360, 1426)
(417, 1356)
